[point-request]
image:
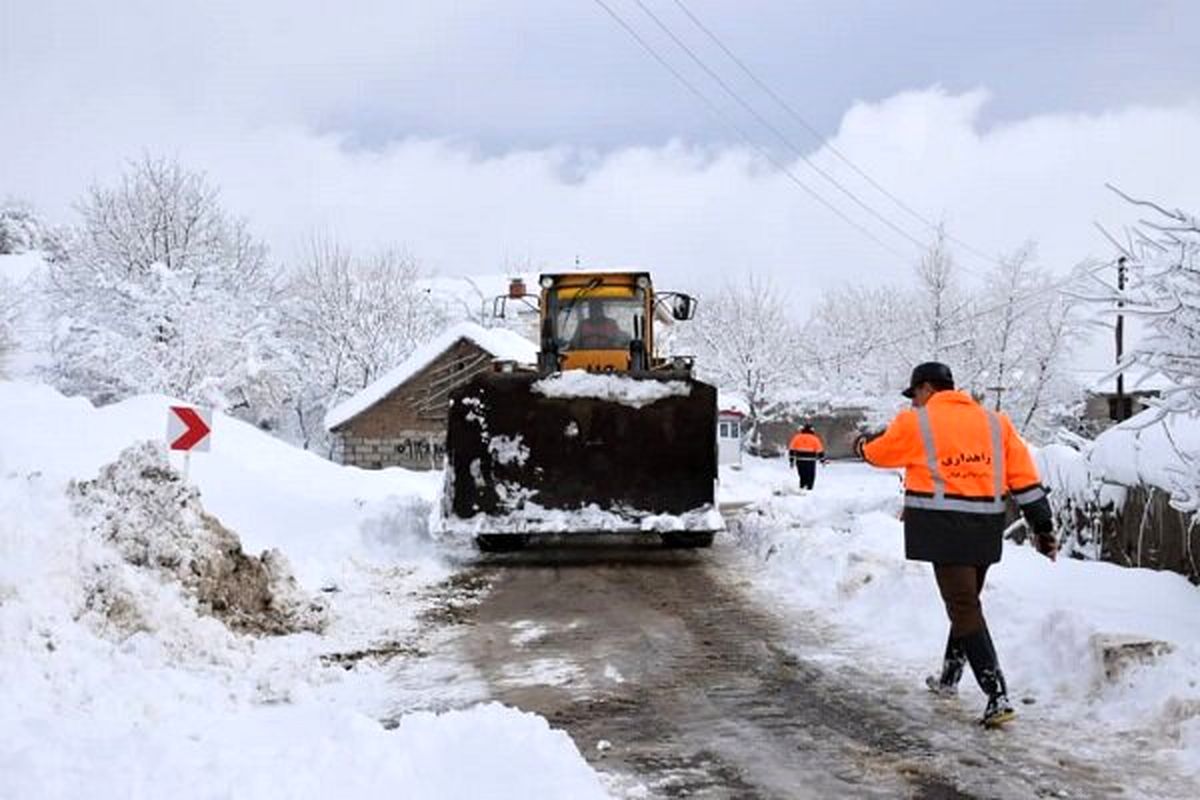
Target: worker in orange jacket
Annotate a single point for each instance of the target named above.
(962, 462)
(804, 451)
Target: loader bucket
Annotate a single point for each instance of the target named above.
(521, 458)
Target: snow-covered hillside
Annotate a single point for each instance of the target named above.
(120, 676)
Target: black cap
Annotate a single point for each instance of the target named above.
(929, 372)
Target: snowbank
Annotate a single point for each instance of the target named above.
(271, 493)
(132, 660)
(838, 552)
(1146, 449)
(488, 751)
(503, 344)
(616, 388)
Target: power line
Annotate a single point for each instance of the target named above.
(724, 120)
(737, 98)
(812, 131)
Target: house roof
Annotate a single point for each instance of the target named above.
(503, 344)
(1138, 379)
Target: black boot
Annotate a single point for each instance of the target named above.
(982, 655)
(952, 669)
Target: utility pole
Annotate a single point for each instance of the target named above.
(1120, 415)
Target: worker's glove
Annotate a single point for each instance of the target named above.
(1047, 544)
(824, 462)
(860, 442)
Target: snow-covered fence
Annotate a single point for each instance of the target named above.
(1110, 503)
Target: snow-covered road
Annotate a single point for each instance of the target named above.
(676, 677)
(785, 662)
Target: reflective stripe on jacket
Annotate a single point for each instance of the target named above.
(960, 463)
(958, 456)
(806, 446)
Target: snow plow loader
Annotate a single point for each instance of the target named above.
(601, 435)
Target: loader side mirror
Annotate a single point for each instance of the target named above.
(683, 307)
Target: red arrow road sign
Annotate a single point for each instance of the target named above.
(188, 428)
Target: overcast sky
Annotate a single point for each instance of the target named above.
(480, 134)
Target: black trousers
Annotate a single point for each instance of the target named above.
(807, 470)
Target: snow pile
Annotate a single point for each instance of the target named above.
(489, 751)
(838, 552)
(616, 388)
(131, 656)
(271, 493)
(154, 520)
(503, 344)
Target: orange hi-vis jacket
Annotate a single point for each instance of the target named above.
(806, 447)
(961, 461)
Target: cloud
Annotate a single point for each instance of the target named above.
(696, 214)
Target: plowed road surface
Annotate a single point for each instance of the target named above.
(669, 675)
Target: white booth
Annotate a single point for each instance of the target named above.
(729, 436)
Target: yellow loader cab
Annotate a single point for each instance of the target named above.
(603, 321)
(601, 435)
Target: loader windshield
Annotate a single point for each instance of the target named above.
(599, 323)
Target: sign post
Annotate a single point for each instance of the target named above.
(188, 429)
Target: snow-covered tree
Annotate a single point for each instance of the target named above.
(9, 311)
(20, 229)
(350, 318)
(852, 340)
(1006, 340)
(1056, 330)
(163, 291)
(1162, 262)
(1027, 329)
(746, 340)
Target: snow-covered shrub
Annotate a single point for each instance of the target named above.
(162, 291)
(1085, 508)
(142, 508)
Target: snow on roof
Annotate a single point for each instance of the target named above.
(730, 401)
(1137, 379)
(503, 344)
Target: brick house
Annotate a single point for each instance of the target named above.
(400, 419)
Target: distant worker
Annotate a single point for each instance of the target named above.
(805, 450)
(961, 461)
(598, 331)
